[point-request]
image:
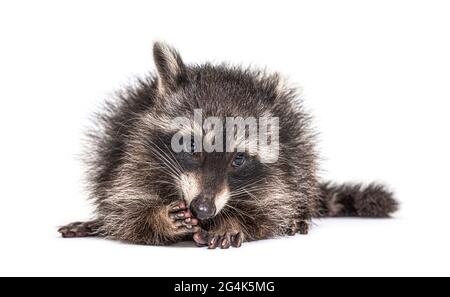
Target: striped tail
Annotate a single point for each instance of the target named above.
(356, 200)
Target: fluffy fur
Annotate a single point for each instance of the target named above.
(136, 180)
(372, 201)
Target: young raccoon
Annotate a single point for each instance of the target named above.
(146, 193)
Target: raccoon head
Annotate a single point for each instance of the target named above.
(211, 180)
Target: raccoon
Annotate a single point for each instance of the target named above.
(146, 193)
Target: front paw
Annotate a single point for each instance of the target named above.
(218, 239)
(182, 220)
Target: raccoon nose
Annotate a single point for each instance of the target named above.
(203, 208)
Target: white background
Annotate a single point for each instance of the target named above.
(376, 75)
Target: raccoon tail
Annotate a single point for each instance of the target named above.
(356, 200)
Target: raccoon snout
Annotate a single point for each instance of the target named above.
(203, 208)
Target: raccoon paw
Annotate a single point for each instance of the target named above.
(222, 240)
(182, 219)
(301, 227)
(79, 229)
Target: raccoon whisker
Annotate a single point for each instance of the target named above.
(166, 171)
(241, 193)
(262, 187)
(161, 168)
(253, 196)
(242, 188)
(161, 182)
(246, 191)
(250, 183)
(176, 193)
(155, 148)
(174, 158)
(166, 161)
(163, 157)
(237, 211)
(229, 215)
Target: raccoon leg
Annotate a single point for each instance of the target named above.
(182, 218)
(146, 220)
(80, 229)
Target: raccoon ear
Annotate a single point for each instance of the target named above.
(170, 67)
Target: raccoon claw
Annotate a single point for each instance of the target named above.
(180, 206)
(237, 239)
(226, 241)
(182, 219)
(301, 227)
(213, 241)
(200, 238)
(79, 229)
(292, 230)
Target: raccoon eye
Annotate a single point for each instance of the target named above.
(238, 160)
(190, 147)
(193, 147)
